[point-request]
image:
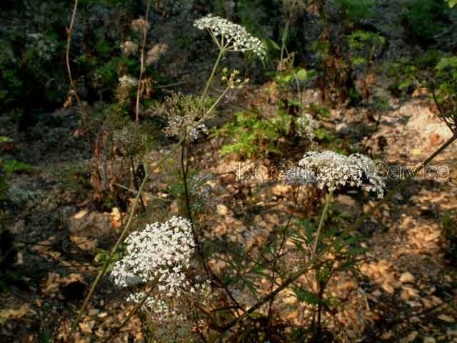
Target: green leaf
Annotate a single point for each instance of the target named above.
(447, 63)
(274, 44)
(283, 78)
(405, 84)
(4, 139)
(13, 166)
(306, 296)
(45, 336)
(301, 75)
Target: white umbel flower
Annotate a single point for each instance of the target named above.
(159, 252)
(233, 37)
(331, 170)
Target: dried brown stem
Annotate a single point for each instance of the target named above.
(73, 91)
(142, 67)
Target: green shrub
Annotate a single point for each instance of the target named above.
(445, 90)
(252, 136)
(356, 9)
(364, 46)
(423, 19)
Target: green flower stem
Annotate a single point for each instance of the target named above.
(285, 33)
(213, 72)
(328, 199)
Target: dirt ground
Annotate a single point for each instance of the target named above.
(405, 290)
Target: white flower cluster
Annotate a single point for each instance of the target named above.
(160, 252)
(129, 48)
(306, 126)
(159, 306)
(160, 309)
(127, 80)
(332, 170)
(198, 131)
(234, 37)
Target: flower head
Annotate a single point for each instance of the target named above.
(140, 25)
(127, 80)
(159, 252)
(233, 37)
(155, 52)
(129, 48)
(332, 170)
(182, 113)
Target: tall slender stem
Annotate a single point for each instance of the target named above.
(328, 199)
(213, 72)
(73, 90)
(285, 33)
(142, 68)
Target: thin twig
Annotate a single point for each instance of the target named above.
(135, 183)
(142, 68)
(73, 90)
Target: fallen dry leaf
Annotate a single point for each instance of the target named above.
(387, 335)
(388, 288)
(85, 327)
(446, 318)
(222, 209)
(406, 277)
(81, 214)
(432, 236)
(43, 246)
(14, 313)
(411, 337)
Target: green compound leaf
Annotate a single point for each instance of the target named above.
(306, 296)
